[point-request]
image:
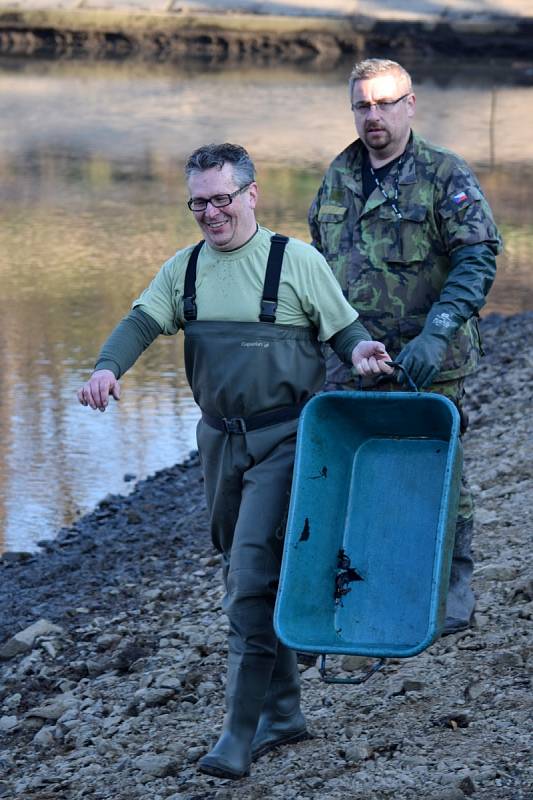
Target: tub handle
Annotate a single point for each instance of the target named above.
(381, 378)
(364, 677)
(410, 381)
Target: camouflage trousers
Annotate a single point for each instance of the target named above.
(454, 391)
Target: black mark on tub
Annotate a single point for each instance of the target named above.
(306, 532)
(323, 474)
(346, 574)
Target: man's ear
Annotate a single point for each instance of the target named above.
(253, 194)
(411, 105)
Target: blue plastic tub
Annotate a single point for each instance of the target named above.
(371, 524)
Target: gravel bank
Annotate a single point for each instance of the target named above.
(117, 691)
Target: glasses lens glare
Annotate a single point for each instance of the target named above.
(220, 200)
(382, 105)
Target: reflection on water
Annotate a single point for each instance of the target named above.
(92, 203)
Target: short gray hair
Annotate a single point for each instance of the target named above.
(209, 156)
(371, 67)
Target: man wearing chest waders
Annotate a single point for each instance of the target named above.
(254, 307)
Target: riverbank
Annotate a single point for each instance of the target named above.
(263, 32)
(117, 691)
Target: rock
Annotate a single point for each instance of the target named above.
(357, 752)
(400, 686)
(8, 723)
(484, 517)
(107, 641)
(206, 688)
(454, 720)
(449, 793)
(497, 572)
(160, 766)
(44, 737)
(55, 707)
(154, 697)
(169, 680)
(193, 754)
(354, 663)
(23, 641)
(310, 674)
(467, 786)
(507, 658)
(522, 591)
(12, 701)
(475, 690)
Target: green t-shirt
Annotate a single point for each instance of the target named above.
(229, 287)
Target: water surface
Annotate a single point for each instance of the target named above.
(92, 202)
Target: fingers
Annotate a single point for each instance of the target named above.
(384, 366)
(95, 393)
(115, 391)
(368, 366)
(91, 395)
(370, 358)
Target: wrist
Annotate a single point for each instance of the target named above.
(108, 366)
(442, 323)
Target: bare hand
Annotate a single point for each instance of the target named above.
(370, 358)
(95, 393)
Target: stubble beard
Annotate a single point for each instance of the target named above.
(379, 144)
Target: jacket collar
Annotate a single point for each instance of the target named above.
(352, 175)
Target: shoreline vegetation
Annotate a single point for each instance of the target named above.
(233, 37)
(112, 647)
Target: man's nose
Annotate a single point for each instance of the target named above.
(210, 210)
(373, 112)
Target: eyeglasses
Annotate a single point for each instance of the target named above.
(363, 107)
(218, 200)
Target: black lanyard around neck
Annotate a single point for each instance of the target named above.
(390, 198)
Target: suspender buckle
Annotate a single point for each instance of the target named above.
(234, 425)
(268, 310)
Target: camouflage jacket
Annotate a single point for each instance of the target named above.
(392, 270)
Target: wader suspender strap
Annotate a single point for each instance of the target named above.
(269, 303)
(189, 290)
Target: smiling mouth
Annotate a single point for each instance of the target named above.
(215, 225)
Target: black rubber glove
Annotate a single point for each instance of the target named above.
(472, 272)
(423, 356)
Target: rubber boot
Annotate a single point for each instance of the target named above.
(247, 684)
(281, 721)
(461, 602)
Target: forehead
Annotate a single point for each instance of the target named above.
(212, 181)
(388, 85)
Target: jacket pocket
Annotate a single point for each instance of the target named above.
(330, 219)
(409, 239)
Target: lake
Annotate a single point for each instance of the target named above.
(92, 201)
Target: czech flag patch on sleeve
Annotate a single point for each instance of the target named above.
(459, 198)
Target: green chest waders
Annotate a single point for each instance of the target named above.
(250, 380)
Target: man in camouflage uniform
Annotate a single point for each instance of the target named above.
(410, 237)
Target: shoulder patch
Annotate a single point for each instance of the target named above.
(459, 198)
